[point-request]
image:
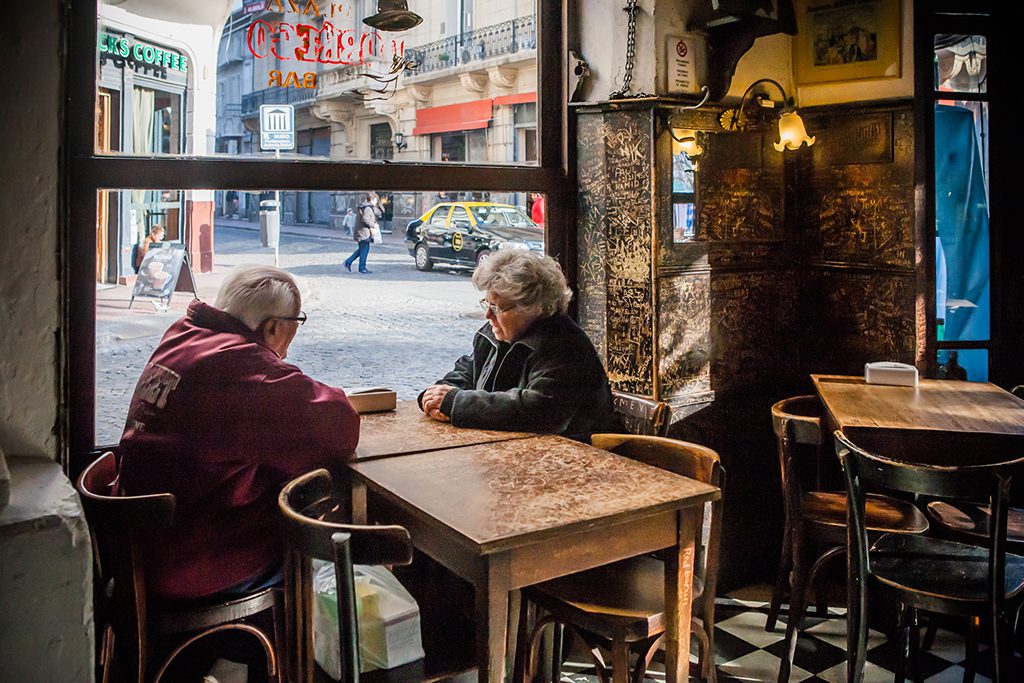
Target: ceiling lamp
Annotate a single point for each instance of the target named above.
(393, 15)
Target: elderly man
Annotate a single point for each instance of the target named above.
(532, 368)
(222, 422)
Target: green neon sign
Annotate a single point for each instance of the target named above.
(142, 53)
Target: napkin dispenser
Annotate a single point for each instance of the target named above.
(372, 399)
(888, 372)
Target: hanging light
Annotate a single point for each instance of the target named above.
(393, 15)
(792, 133)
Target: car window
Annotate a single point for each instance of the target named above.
(440, 216)
(460, 219)
(502, 215)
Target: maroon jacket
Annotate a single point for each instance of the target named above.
(221, 422)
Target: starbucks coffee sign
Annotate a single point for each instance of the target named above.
(141, 55)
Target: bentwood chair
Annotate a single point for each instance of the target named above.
(814, 517)
(307, 504)
(642, 415)
(924, 573)
(135, 622)
(621, 606)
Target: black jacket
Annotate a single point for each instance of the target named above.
(550, 380)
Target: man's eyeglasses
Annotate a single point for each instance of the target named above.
(495, 309)
(300, 318)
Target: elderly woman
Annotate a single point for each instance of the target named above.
(532, 368)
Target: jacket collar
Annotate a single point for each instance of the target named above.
(532, 339)
(204, 315)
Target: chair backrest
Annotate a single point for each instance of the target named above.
(1018, 391)
(306, 506)
(118, 525)
(641, 415)
(796, 422)
(689, 460)
(990, 483)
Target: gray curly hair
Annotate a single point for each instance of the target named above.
(255, 293)
(532, 281)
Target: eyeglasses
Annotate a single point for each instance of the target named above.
(495, 309)
(300, 318)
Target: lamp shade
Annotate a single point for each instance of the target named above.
(393, 15)
(792, 133)
(686, 141)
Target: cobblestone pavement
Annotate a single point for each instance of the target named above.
(395, 327)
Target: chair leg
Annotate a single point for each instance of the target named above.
(1001, 651)
(971, 658)
(821, 594)
(797, 596)
(526, 610)
(782, 579)
(903, 640)
(556, 651)
(930, 633)
(915, 640)
(620, 661)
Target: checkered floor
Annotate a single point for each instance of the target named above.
(746, 652)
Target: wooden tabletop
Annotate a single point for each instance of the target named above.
(514, 492)
(939, 422)
(945, 405)
(407, 430)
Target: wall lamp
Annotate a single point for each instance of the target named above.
(399, 140)
(757, 109)
(685, 139)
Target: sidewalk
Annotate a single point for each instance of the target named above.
(394, 239)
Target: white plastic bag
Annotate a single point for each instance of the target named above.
(376, 235)
(389, 619)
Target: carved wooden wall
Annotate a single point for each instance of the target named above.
(800, 263)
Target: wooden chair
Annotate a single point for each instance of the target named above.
(642, 415)
(306, 505)
(924, 573)
(117, 524)
(813, 516)
(621, 605)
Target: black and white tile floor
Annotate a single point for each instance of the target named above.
(745, 652)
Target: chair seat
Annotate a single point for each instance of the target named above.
(193, 615)
(920, 566)
(884, 514)
(621, 600)
(972, 520)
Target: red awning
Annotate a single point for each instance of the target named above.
(450, 117)
(521, 98)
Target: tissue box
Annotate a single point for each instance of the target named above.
(898, 374)
(372, 400)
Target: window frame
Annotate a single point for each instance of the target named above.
(85, 173)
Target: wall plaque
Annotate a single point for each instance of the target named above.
(862, 139)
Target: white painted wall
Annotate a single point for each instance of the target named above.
(29, 291)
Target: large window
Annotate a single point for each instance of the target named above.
(162, 111)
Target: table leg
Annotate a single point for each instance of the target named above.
(679, 599)
(358, 502)
(492, 592)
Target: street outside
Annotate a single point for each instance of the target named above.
(396, 327)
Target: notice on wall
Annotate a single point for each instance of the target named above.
(683, 55)
(159, 272)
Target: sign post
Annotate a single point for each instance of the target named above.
(277, 132)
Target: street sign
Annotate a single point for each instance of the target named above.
(277, 126)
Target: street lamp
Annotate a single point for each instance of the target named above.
(399, 140)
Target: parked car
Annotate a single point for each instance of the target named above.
(466, 233)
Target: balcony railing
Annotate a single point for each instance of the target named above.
(505, 38)
(252, 101)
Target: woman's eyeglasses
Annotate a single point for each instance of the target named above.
(495, 309)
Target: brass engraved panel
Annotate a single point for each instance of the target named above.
(684, 334)
(867, 226)
(593, 247)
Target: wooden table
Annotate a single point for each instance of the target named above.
(407, 430)
(943, 422)
(514, 513)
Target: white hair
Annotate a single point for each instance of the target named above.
(530, 280)
(254, 294)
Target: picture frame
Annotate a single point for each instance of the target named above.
(844, 41)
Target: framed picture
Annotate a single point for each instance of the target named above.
(844, 41)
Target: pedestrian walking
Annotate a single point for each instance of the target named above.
(349, 221)
(367, 222)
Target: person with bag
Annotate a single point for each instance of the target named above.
(367, 231)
